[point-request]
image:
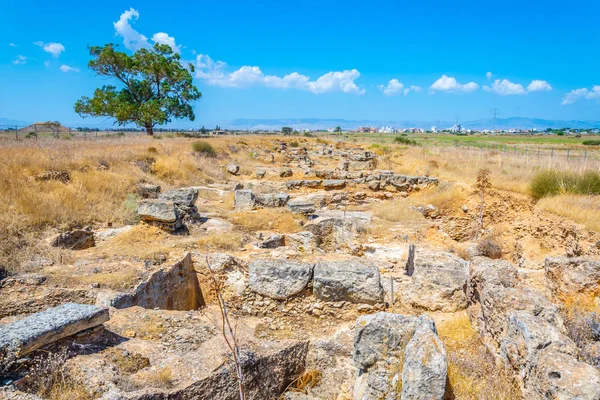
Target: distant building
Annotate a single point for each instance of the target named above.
(456, 128)
(434, 129)
(367, 129)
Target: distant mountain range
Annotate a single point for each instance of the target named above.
(13, 123)
(318, 123)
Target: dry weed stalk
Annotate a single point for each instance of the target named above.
(228, 332)
(482, 185)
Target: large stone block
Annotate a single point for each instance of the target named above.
(279, 279)
(353, 280)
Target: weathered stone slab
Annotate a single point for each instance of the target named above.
(244, 200)
(78, 239)
(157, 210)
(279, 279)
(182, 196)
(353, 280)
(301, 206)
(272, 199)
(572, 275)
(37, 330)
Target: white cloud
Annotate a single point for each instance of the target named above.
(489, 75)
(163, 38)
(47, 63)
(66, 68)
(12, 45)
(395, 87)
(583, 93)
(20, 60)
(449, 84)
(214, 73)
(132, 39)
(539, 86)
(505, 87)
(53, 48)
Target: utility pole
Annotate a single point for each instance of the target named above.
(494, 116)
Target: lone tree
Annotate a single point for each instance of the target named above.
(286, 130)
(154, 87)
(338, 129)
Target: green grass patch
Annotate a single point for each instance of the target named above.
(204, 148)
(591, 143)
(405, 140)
(553, 182)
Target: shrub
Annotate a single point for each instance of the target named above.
(405, 140)
(31, 135)
(204, 148)
(152, 149)
(490, 248)
(294, 143)
(308, 134)
(591, 142)
(553, 182)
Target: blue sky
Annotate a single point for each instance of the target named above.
(379, 60)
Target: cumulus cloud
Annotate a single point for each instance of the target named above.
(539, 86)
(20, 60)
(53, 48)
(395, 87)
(214, 73)
(163, 38)
(66, 68)
(505, 87)
(489, 75)
(12, 45)
(450, 84)
(133, 40)
(583, 93)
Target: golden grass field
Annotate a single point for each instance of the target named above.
(104, 174)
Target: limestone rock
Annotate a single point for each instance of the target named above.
(157, 210)
(352, 280)
(331, 184)
(572, 275)
(182, 196)
(285, 172)
(546, 361)
(273, 241)
(244, 200)
(233, 169)
(425, 365)
(302, 241)
(37, 330)
(77, 239)
(272, 199)
(148, 191)
(301, 206)
(260, 172)
(438, 281)
(279, 279)
(393, 347)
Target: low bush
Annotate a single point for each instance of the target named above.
(591, 143)
(553, 182)
(204, 148)
(490, 248)
(405, 140)
(294, 143)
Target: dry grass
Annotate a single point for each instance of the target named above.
(272, 219)
(221, 242)
(142, 241)
(579, 208)
(472, 372)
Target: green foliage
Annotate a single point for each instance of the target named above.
(553, 182)
(294, 143)
(338, 129)
(405, 140)
(204, 148)
(560, 133)
(591, 142)
(155, 87)
(31, 135)
(308, 134)
(286, 130)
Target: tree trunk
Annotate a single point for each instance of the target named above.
(150, 130)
